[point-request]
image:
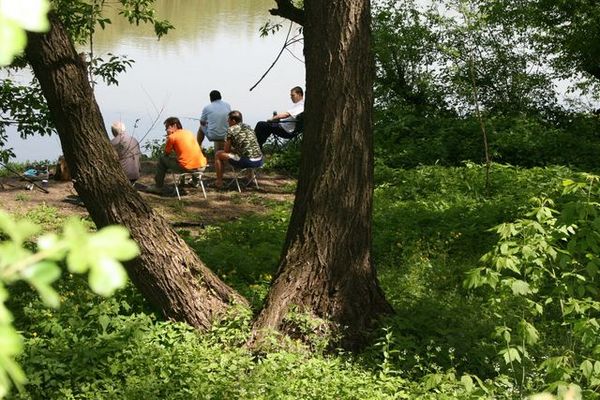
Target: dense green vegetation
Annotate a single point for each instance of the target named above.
(493, 274)
(432, 225)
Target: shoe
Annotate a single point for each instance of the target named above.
(154, 189)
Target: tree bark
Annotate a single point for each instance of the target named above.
(327, 268)
(168, 272)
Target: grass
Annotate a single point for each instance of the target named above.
(431, 225)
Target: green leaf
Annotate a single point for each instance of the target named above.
(78, 260)
(106, 275)
(42, 273)
(11, 343)
(587, 369)
(104, 320)
(511, 354)
(520, 287)
(530, 333)
(113, 241)
(48, 295)
(52, 247)
(18, 231)
(467, 382)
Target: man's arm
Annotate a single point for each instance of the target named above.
(281, 115)
(169, 145)
(203, 119)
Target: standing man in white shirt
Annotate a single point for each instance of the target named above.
(282, 123)
(213, 121)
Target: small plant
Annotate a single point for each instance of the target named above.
(156, 148)
(546, 267)
(96, 253)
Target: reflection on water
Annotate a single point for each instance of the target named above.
(194, 20)
(215, 45)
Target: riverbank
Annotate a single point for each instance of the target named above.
(18, 198)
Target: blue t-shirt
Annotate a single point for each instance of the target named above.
(215, 115)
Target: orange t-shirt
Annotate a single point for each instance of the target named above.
(189, 154)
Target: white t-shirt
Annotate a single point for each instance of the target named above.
(289, 123)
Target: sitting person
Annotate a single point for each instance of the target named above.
(213, 121)
(128, 151)
(283, 123)
(188, 154)
(241, 148)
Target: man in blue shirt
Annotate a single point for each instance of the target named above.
(213, 121)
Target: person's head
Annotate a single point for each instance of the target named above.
(117, 128)
(296, 94)
(234, 117)
(215, 95)
(172, 124)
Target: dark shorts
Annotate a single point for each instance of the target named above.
(245, 162)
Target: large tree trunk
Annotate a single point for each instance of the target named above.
(168, 272)
(326, 268)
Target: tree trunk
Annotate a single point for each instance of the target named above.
(168, 272)
(326, 268)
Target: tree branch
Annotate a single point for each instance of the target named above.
(286, 9)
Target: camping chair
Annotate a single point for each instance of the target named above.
(195, 176)
(278, 143)
(239, 173)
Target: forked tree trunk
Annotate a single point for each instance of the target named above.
(326, 268)
(168, 272)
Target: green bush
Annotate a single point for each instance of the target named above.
(431, 226)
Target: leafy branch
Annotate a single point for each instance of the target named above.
(99, 254)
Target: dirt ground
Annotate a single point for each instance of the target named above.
(192, 210)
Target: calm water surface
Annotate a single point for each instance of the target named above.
(215, 45)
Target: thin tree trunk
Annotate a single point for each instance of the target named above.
(326, 268)
(168, 272)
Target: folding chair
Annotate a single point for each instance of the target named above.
(180, 178)
(238, 173)
(279, 144)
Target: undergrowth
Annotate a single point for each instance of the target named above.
(431, 227)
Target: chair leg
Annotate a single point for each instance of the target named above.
(176, 178)
(199, 177)
(255, 180)
(237, 183)
(252, 178)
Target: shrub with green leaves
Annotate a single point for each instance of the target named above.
(97, 254)
(544, 272)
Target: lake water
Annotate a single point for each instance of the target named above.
(215, 45)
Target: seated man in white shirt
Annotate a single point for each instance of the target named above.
(283, 124)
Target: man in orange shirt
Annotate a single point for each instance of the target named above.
(188, 155)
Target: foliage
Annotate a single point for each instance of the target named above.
(156, 147)
(284, 157)
(22, 103)
(109, 69)
(99, 254)
(82, 17)
(433, 58)
(257, 242)
(563, 30)
(406, 139)
(546, 265)
(430, 228)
